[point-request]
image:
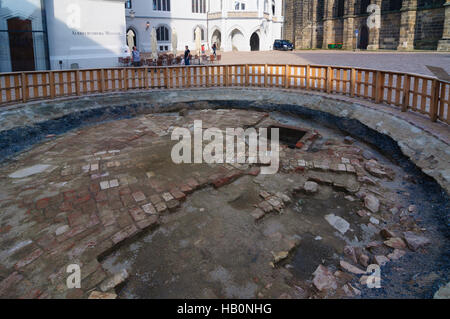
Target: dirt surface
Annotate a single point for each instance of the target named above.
(108, 197)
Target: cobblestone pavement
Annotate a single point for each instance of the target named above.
(410, 62)
(75, 198)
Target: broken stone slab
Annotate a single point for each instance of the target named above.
(264, 194)
(381, 260)
(350, 268)
(364, 260)
(285, 198)
(102, 295)
(280, 256)
(265, 206)
(324, 279)
(415, 241)
(32, 170)
(351, 291)
(395, 242)
(374, 220)
(443, 292)
(372, 203)
(61, 230)
(396, 254)
(386, 233)
(311, 187)
(340, 224)
(349, 251)
(257, 214)
(113, 281)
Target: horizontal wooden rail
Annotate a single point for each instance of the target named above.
(408, 92)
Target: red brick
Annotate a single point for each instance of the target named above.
(9, 281)
(70, 195)
(178, 194)
(124, 233)
(29, 259)
(82, 199)
(66, 206)
(48, 242)
(101, 196)
(42, 203)
(137, 213)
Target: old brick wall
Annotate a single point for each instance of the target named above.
(304, 24)
(429, 28)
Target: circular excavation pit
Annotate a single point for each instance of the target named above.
(108, 197)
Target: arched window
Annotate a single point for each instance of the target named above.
(161, 5)
(162, 34)
(395, 5)
(273, 7)
(430, 3)
(340, 8)
(364, 5)
(202, 37)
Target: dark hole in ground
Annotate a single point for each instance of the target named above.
(288, 135)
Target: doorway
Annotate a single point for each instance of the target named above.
(363, 38)
(254, 42)
(21, 45)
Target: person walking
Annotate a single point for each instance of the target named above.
(136, 57)
(214, 47)
(187, 56)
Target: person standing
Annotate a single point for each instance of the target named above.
(187, 56)
(214, 47)
(135, 57)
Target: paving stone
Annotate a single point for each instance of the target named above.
(155, 199)
(149, 209)
(161, 207)
(167, 196)
(137, 214)
(29, 259)
(138, 196)
(124, 234)
(178, 195)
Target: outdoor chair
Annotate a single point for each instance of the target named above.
(212, 58)
(218, 58)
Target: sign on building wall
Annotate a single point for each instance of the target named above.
(86, 33)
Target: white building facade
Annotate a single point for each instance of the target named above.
(61, 34)
(240, 25)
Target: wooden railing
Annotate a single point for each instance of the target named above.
(408, 92)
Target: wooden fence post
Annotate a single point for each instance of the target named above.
(379, 89)
(329, 79)
(435, 89)
(308, 75)
(24, 87)
(52, 84)
(77, 82)
(247, 68)
(266, 79)
(207, 76)
(406, 88)
(287, 76)
(146, 81)
(166, 77)
(225, 68)
(125, 78)
(352, 82)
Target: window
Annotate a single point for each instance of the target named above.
(161, 5)
(239, 5)
(395, 5)
(364, 5)
(162, 34)
(340, 8)
(198, 6)
(273, 7)
(128, 4)
(202, 37)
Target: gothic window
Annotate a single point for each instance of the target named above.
(198, 6)
(162, 34)
(364, 5)
(340, 8)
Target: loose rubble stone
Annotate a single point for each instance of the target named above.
(372, 203)
(350, 268)
(311, 187)
(395, 242)
(324, 279)
(386, 233)
(114, 280)
(258, 213)
(443, 292)
(265, 206)
(102, 295)
(61, 230)
(350, 291)
(280, 256)
(396, 254)
(338, 223)
(381, 260)
(364, 260)
(415, 241)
